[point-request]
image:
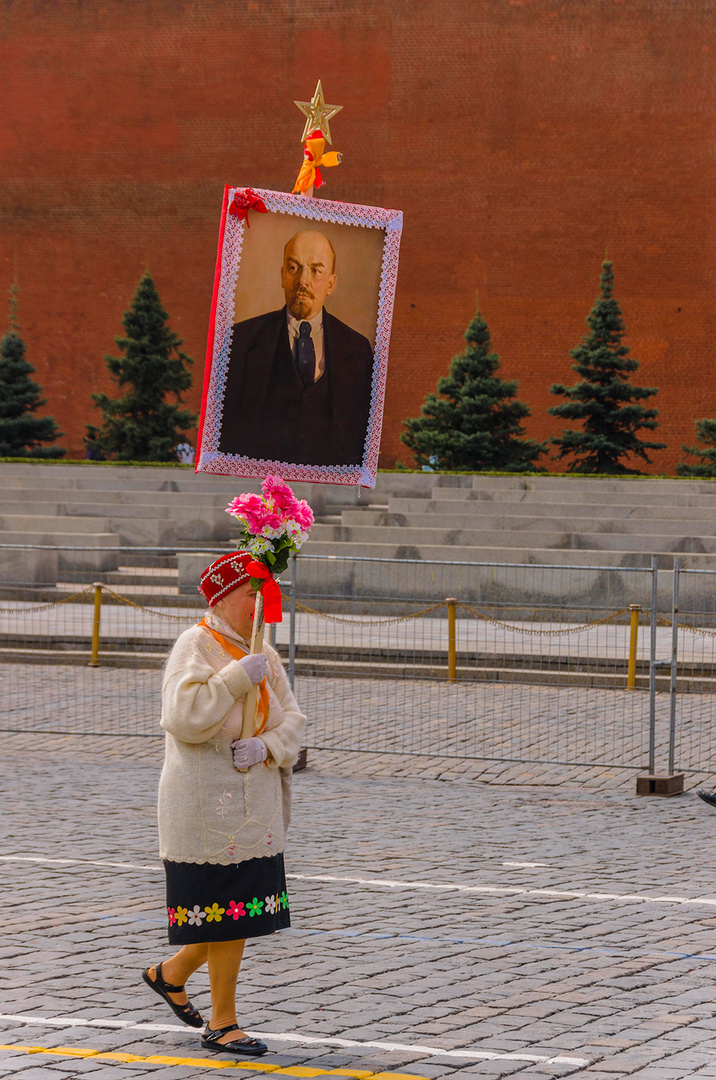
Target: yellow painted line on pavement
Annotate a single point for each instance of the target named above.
(329, 1041)
(207, 1063)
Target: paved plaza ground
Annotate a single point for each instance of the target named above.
(439, 928)
(501, 731)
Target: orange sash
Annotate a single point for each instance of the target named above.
(238, 653)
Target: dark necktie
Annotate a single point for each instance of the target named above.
(305, 355)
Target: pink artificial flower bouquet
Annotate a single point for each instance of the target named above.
(274, 524)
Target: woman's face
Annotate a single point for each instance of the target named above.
(237, 609)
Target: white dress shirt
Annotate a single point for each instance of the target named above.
(316, 322)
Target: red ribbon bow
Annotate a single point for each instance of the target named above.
(269, 590)
(246, 200)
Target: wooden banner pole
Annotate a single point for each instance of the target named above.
(251, 701)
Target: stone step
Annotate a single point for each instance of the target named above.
(92, 501)
(180, 482)
(491, 556)
(568, 495)
(491, 519)
(65, 542)
(155, 660)
(547, 508)
(46, 523)
(93, 477)
(134, 523)
(471, 666)
(550, 508)
(137, 578)
(561, 482)
(369, 536)
(81, 552)
(68, 504)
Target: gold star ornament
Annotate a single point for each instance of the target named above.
(317, 113)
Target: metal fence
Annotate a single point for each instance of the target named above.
(591, 665)
(693, 671)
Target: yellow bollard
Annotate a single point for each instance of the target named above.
(635, 610)
(94, 661)
(452, 651)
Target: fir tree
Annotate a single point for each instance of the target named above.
(21, 432)
(475, 424)
(142, 425)
(706, 434)
(604, 401)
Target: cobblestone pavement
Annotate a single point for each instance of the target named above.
(439, 928)
(484, 731)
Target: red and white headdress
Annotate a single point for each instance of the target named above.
(224, 575)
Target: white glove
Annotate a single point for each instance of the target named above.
(248, 752)
(255, 666)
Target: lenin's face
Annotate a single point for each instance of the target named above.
(307, 274)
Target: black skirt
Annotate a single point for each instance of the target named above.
(209, 902)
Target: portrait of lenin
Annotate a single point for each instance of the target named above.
(298, 384)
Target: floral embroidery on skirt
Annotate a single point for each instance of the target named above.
(210, 902)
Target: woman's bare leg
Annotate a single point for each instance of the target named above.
(180, 967)
(224, 962)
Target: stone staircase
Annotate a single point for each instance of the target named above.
(541, 520)
(554, 521)
(101, 517)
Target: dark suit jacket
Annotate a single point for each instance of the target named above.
(268, 413)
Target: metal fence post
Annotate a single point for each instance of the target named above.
(672, 783)
(452, 649)
(652, 667)
(674, 657)
(292, 623)
(97, 610)
(635, 610)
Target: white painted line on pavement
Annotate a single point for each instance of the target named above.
(515, 890)
(79, 862)
(294, 1036)
(388, 883)
(522, 865)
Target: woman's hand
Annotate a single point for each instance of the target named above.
(248, 752)
(255, 666)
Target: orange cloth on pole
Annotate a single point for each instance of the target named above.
(313, 158)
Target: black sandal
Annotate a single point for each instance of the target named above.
(242, 1047)
(187, 1012)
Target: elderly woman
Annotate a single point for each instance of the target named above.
(224, 803)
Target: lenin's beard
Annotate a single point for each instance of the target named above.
(300, 302)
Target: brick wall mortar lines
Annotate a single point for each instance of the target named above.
(521, 141)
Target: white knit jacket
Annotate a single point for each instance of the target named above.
(208, 811)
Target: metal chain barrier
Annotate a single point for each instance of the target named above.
(47, 607)
(467, 607)
(146, 610)
(351, 622)
(369, 622)
(546, 633)
(85, 592)
(663, 621)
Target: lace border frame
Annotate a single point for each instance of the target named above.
(231, 235)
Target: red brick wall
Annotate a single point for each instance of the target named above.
(522, 139)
